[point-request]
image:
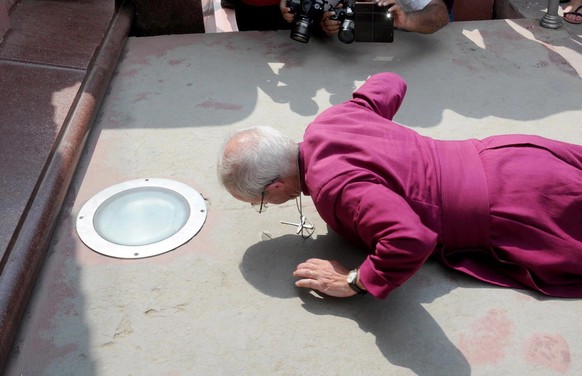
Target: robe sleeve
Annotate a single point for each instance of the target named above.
(382, 93)
(398, 242)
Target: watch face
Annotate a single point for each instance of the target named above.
(352, 276)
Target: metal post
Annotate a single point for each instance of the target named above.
(551, 20)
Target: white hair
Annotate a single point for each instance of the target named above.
(252, 158)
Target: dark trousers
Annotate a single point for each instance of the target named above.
(259, 18)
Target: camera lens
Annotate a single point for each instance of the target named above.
(346, 33)
(300, 31)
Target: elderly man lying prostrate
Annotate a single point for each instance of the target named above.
(505, 209)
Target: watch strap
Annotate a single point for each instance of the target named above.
(353, 283)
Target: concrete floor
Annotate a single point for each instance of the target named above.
(225, 303)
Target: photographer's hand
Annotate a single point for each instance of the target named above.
(328, 25)
(286, 11)
(398, 14)
(385, 3)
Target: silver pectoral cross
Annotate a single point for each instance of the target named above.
(304, 224)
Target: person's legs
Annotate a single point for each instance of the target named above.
(259, 18)
(535, 206)
(573, 12)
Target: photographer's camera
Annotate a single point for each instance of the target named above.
(360, 21)
(307, 12)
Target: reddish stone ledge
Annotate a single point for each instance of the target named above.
(25, 254)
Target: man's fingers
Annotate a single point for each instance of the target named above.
(308, 284)
(304, 273)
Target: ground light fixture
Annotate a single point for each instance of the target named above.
(141, 218)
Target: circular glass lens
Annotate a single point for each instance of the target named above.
(141, 216)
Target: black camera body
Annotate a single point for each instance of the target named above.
(307, 12)
(374, 23)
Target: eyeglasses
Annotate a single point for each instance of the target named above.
(304, 227)
(263, 206)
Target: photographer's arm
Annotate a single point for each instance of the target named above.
(431, 18)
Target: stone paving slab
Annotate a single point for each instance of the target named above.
(57, 33)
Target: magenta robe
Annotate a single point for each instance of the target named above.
(505, 209)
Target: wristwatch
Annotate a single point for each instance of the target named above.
(352, 278)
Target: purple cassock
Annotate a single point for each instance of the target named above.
(506, 209)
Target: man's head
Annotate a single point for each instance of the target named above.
(256, 160)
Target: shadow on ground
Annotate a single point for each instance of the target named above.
(399, 323)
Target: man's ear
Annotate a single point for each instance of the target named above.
(276, 185)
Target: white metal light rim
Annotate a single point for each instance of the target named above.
(91, 238)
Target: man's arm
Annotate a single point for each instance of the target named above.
(398, 242)
(382, 93)
(431, 18)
